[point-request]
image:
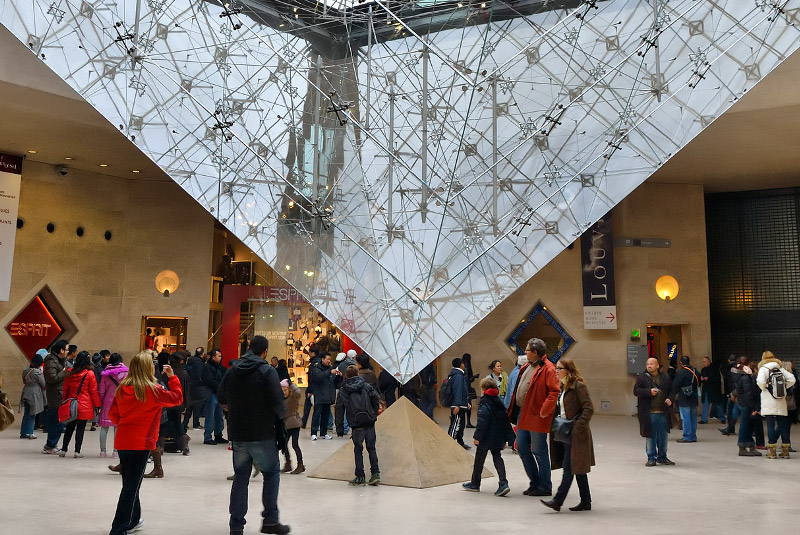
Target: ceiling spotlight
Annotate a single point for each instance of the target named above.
(68, 158)
(135, 171)
(310, 273)
(31, 152)
(103, 165)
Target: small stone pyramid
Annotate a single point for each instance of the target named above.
(412, 452)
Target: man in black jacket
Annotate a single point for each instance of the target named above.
(193, 397)
(322, 378)
(358, 402)
(252, 394)
(685, 387)
(211, 378)
(460, 402)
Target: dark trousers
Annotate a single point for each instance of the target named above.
(427, 401)
(294, 434)
(731, 415)
(778, 426)
(746, 426)
(319, 422)
(132, 464)
(54, 428)
(566, 481)
(193, 412)
(265, 455)
(307, 405)
(480, 460)
(456, 429)
(390, 396)
(78, 427)
(361, 435)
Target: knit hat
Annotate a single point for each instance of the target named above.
(37, 360)
(285, 383)
(351, 353)
(340, 357)
(42, 353)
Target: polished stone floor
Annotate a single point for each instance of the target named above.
(710, 490)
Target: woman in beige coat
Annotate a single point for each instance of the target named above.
(292, 396)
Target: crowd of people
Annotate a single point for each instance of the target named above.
(541, 410)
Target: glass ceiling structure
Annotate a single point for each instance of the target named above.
(407, 166)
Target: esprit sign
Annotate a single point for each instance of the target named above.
(34, 328)
(597, 262)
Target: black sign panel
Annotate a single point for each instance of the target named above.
(597, 260)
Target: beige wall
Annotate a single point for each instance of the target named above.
(107, 286)
(653, 210)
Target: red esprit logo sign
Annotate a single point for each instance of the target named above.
(34, 328)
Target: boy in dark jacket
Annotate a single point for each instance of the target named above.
(491, 434)
(459, 404)
(358, 401)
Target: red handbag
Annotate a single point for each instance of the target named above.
(68, 410)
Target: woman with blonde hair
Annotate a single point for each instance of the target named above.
(774, 382)
(136, 411)
(576, 454)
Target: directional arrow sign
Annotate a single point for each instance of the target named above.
(600, 317)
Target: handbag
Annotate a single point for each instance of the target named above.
(6, 413)
(561, 428)
(281, 435)
(68, 410)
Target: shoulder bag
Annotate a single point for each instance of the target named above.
(68, 410)
(561, 428)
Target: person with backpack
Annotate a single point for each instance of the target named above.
(454, 394)
(491, 434)
(774, 382)
(685, 387)
(110, 378)
(80, 384)
(359, 402)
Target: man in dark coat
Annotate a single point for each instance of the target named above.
(211, 378)
(685, 387)
(731, 410)
(252, 394)
(322, 380)
(653, 390)
(194, 400)
(387, 386)
(459, 404)
(711, 391)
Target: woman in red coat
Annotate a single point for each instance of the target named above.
(136, 410)
(81, 383)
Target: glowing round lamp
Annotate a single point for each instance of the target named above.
(167, 282)
(667, 288)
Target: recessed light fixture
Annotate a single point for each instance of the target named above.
(68, 158)
(31, 152)
(103, 165)
(135, 171)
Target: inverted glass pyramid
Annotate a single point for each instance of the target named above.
(406, 166)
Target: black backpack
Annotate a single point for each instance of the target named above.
(776, 384)
(446, 393)
(360, 403)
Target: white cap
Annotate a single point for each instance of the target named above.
(351, 353)
(340, 357)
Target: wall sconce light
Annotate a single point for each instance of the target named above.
(667, 288)
(167, 282)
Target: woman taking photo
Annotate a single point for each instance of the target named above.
(81, 384)
(576, 457)
(136, 411)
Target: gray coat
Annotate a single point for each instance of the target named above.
(54, 374)
(33, 389)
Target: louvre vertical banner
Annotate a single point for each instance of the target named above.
(597, 263)
(10, 177)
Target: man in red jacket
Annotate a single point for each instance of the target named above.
(532, 407)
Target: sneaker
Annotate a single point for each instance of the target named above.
(50, 451)
(327, 437)
(466, 446)
(667, 462)
(650, 462)
(32, 437)
(375, 480)
(470, 487)
(313, 437)
(62, 453)
(280, 529)
(220, 440)
(137, 527)
(78, 455)
(358, 481)
(502, 490)
(103, 455)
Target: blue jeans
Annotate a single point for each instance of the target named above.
(28, 420)
(746, 426)
(265, 454)
(778, 426)
(54, 428)
(656, 445)
(214, 422)
(532, 448)
(566, 481)
(689, 419)
(716, 410)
